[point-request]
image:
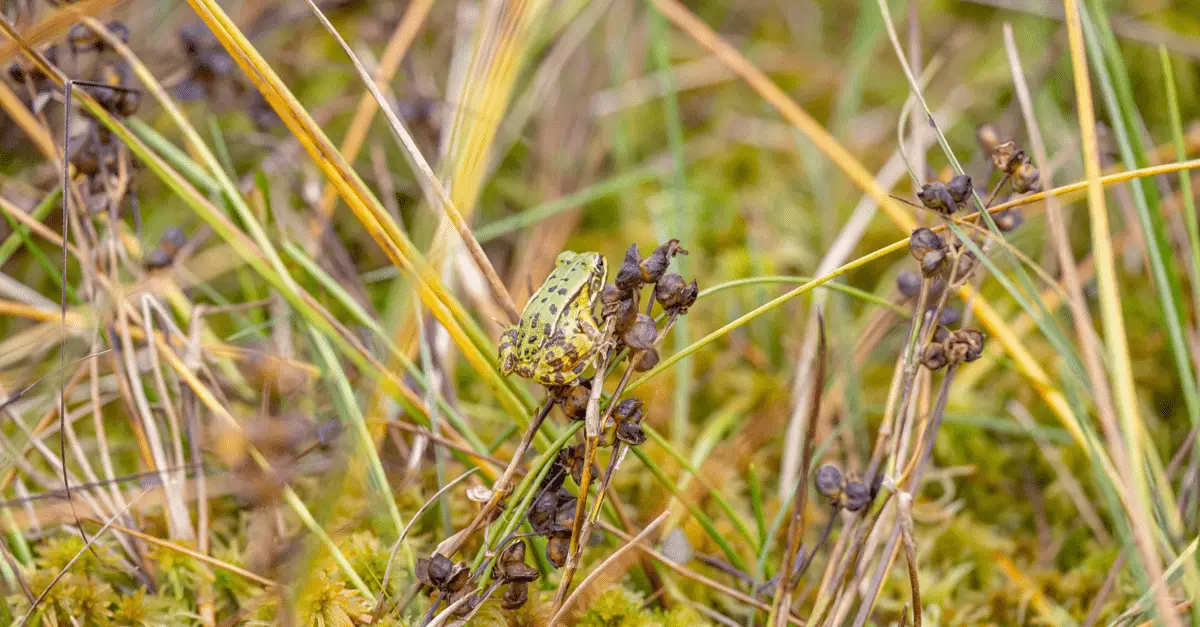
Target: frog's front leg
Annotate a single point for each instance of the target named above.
(508, 351)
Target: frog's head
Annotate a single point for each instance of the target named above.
(594, 262)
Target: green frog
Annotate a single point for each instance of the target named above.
(557, 337)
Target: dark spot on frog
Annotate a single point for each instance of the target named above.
(559, 378)
(553, 308)
(545, 328)
(562, 291)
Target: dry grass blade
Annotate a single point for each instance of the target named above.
(55, 25)
(560, 614)
(387, 571)
(441, 198)
(1134, 479)
(783, 595)
(389, 64)
(374, 217)
(196, 555)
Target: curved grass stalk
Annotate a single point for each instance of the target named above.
(374, 217)
(1110, 309)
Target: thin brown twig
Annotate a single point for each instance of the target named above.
(783, 597)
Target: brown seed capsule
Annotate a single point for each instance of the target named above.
(931, 263)
(628, 409)
(610, 295)
(629, 277)
(966, 264)
(556, 550)
(515, 596)
(923, 241)
(564, 518)
(669, 290)
(459, 579)
(689, 296)
(937, 198)
(960, 188)
(909, 284)
(574, 402)
(934, 356)
(858, 496)
(541, 513)
(641, 334)
(654, 266)
(940, 334)
(630, 433)
(989, 138)
(1009, 219)
(511, 565)
(647, 360)
(437, 570)
(829, 481)
(971, 341)
(1026, 178)
(1002, 154)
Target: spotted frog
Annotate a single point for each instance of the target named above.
(557, 337)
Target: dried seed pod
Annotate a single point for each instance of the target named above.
(968, 343)
(629, 277)
(931, 263)
(629, 409)
(564, 518)
(909, 284)
(923, 241)
(654, 266)
(515, 596)
(556, 550)
(328, 432)
(689, 296)
(458, 580)
(511, 565)
(937, 198)
(940, 334)
(574, 403)
(1002, 155)
(934, 356)
(966, 264)
(647, 360)
(641, 334)
(610, 295)
(172, 241)
(858, 496)
(624, 313)
(541, 513)
(1026, 178)
(669, 290)
(435, 571)
(829, 481)
(960, 188)
(988, 137)
(630, 433)
(1009, 219)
